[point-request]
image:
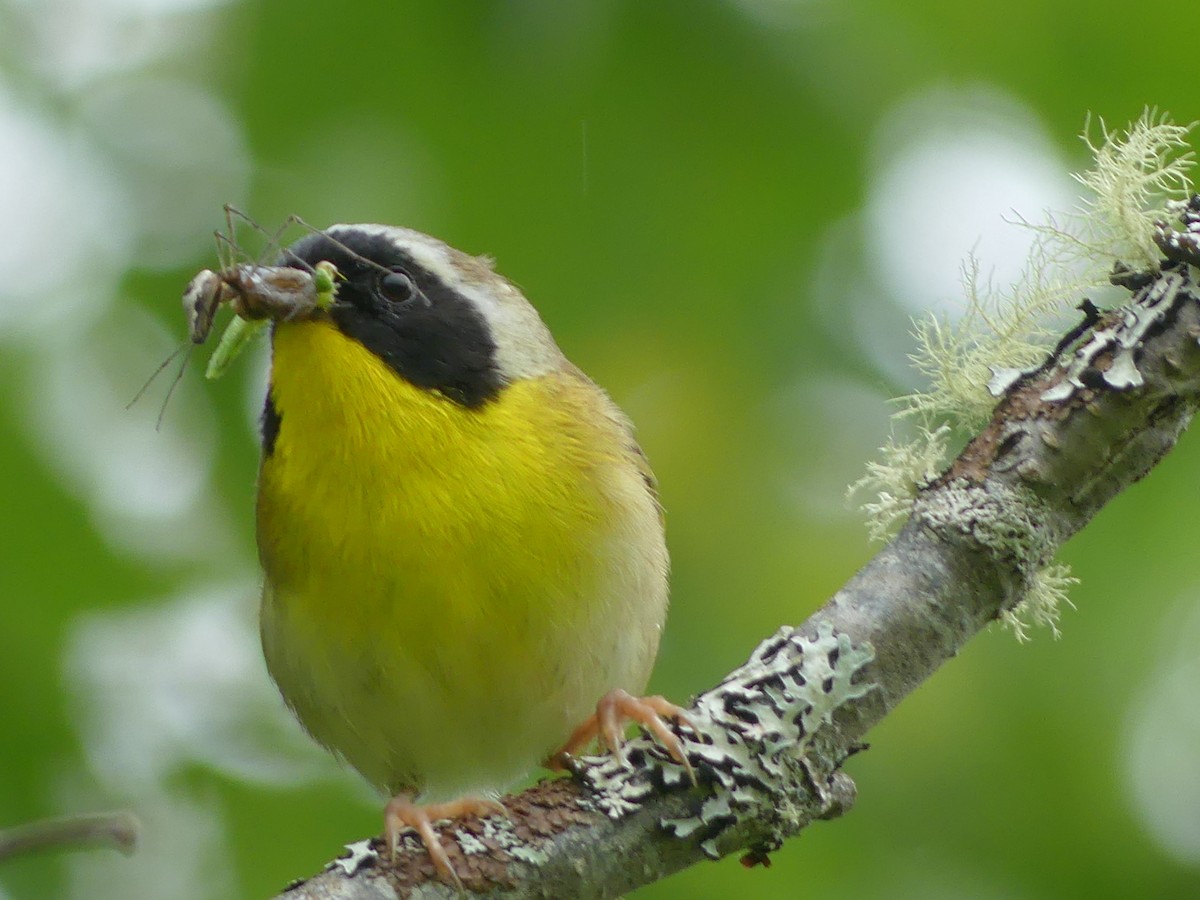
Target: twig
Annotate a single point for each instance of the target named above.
(118, 830)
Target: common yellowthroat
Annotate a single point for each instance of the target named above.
(462, 541)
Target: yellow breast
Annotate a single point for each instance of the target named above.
(449, 590)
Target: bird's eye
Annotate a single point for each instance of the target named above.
(397, 286)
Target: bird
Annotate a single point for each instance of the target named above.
(465, 564)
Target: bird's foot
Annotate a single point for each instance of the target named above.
(614, 710)
(401, 812)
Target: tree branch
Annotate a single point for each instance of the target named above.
(1065, 438)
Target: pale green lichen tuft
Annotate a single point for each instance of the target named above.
(1136, 175)
(1043, 604)
(1010, 328)
(892, 482)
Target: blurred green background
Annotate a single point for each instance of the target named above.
(727, 213)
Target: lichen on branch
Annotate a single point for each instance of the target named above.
(1139, 177)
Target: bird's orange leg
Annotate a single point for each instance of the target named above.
(612, 712)
(401, 812)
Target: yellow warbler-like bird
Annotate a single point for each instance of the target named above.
(462, 542)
